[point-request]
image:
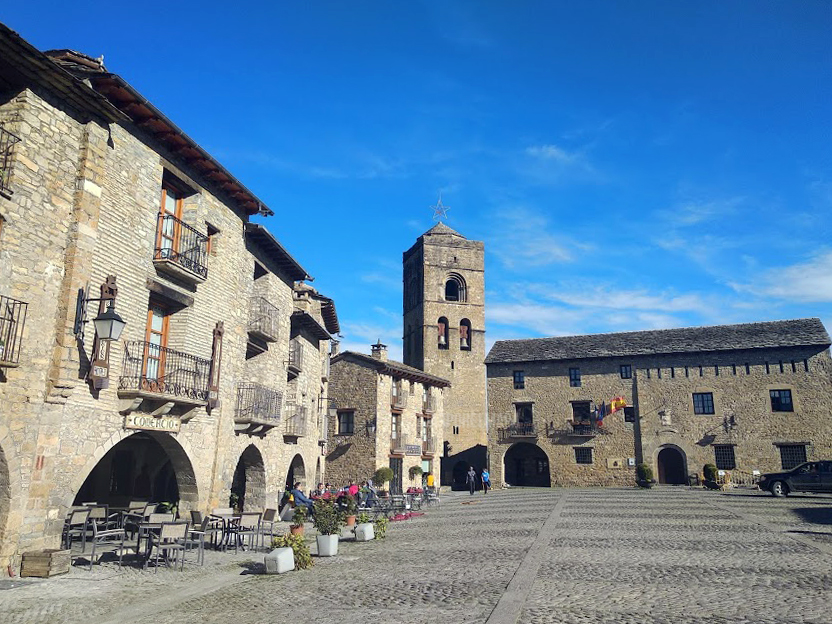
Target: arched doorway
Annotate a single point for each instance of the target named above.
(146, 466)
(249, 483)
(527, 464)
(297, 472)
(671, 466)
(459, 473)
(5, 494)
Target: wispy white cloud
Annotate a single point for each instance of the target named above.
(620, 299)
(554, 153)
(524, 238)
(809, 281)
(694, 212)
(553, 164)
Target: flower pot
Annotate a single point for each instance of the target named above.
(365, 532)
(350, 521)
(280, 561)
(644, 484)
(296, 530)
(327, 545)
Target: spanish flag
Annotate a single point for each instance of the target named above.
(617, 403)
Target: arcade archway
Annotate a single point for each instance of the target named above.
(527, 464)
(249, 483)
(145, 466)
(671, 464)
(297, 472)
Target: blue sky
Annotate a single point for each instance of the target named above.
(629, 165)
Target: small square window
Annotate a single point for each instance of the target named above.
(781, 400)
(630, 414)
(703, 403)
(792, 455)
(724, 457)
(519, 380)
(346, 423)
(575, 377)
(626, 371)
(583, 455)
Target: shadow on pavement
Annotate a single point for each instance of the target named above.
(815, 515)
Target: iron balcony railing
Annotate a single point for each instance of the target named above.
(7, 141)
(295, 355)
(516, 430)
(296, 421)
(398, 443)
(428, 404)
(12, 320)
(257, 404)
(159, 370)
(429, 446)
(180, 243)
(580, 429)
(264, 319)
(397, 397)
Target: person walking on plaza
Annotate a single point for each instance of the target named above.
(486, 481)
(471, 479)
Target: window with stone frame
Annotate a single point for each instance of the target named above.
(581, 413)
(346, 423)
(519, 380)
(629, 414)
(792, 455)
(583, 455)
(724, 456)
(394, 427)
(703, 403)
(626, 371)
(781, 400)
(524, 413)
(575, 377)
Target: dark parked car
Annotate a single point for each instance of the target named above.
(815, 476)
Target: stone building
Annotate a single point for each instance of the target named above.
(747, 397)
(218, 384)
(385, 414)
(444, 335)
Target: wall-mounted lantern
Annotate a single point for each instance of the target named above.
(108, 327)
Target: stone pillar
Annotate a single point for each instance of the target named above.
(69, 360)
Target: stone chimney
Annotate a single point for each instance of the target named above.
(334, 348)
(379, 351)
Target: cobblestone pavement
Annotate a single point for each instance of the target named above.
(524, 555)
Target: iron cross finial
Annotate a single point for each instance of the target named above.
(440, 211)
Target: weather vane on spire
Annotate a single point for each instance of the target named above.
(440, 211)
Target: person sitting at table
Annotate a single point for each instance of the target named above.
(319, 491)
(301, 499)
(352, 490)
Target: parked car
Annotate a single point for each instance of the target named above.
(815, 476)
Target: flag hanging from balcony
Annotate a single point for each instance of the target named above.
(617, 403)
(601, 412)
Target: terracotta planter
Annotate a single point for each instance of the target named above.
(350, 521)
(296, 530)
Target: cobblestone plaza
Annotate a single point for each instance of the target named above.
(532, 555)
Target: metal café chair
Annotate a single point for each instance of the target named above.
(268, 524)
(104, 541)
(196, 537)
(172, 537)
(76, 526)
(249, 529)
(101, 517)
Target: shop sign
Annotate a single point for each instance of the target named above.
(152, 423)
(412, 449)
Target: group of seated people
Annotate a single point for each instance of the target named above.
(366, 495)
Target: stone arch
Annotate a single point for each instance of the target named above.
(526, 464)
(249, 482)
(297, 472)
(171, 475)
(455, 288)
(671, 465)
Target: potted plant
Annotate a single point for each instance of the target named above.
(166, 507)
(303, 559)
(709, 472)
(644, 476)
(415, 471)
(327, 521)
(383, 475)
(348, 508)
(380, 526)
(234, 502)
(364, 530)
(298, 520)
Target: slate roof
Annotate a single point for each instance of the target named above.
(795, 333)
(441, 228)
(396, 369)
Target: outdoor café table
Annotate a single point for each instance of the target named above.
(230, 526)
(144, 530)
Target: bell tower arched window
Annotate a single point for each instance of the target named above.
(442, 328)
(455, 289)
(465, 335)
